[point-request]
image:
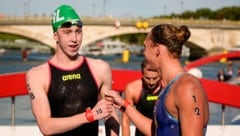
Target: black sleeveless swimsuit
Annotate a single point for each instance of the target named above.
(146, 106)
(71, 92)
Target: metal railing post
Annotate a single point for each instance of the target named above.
(223, 114)
(13, 111)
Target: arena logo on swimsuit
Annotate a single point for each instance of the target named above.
(71, 77)
(152, 98)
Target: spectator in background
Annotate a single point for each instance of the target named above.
(221, 76)
(229, 73)
(25, 54)
(238, 73)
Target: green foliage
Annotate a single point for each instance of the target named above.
(9, 37)
(131, 38)
(12, 37)
(229, 13)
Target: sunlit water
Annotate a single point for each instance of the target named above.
(12, 62)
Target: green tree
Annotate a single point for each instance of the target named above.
(229, 13)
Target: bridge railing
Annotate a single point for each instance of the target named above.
(46, 20)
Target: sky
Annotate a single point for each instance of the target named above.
(112, 8)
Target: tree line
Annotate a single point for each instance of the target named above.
(226, 13)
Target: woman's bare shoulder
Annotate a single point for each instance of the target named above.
(188, 85)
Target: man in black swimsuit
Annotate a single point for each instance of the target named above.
(67, 91)
(142, 93)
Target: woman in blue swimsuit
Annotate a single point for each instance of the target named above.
(182, 107)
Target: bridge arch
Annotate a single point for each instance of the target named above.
(107, 31)
(36, 33)
(205, 38)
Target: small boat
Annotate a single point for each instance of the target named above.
(106, 47)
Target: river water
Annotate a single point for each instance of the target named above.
(11, 61)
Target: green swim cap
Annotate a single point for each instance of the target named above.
(64, 14)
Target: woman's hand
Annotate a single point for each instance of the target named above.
(114, 97)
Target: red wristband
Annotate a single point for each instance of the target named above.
(89, 115)
(124, 106)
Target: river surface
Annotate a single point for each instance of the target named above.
(11, 61)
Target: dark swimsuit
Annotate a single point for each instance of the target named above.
(166, 124)
(145, 106)
(70, 93)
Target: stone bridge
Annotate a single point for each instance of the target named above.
(202, 36)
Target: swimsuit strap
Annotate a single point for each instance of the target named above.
(175, 78)
(167, 88)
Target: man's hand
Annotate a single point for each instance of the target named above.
(102, 109)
